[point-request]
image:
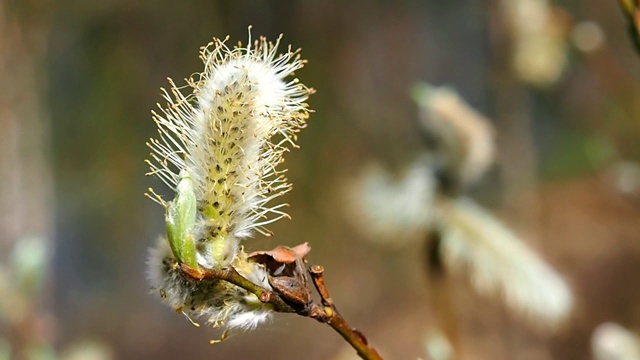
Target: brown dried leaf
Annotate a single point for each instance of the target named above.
(282, 260)
(302, 250)
(282, 254)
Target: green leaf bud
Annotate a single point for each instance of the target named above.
(180, 220)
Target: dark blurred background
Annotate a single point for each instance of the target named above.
(78, 80)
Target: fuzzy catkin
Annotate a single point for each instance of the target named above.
(228, 138)
(223, 133)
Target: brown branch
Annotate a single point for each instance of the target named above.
(330, 315)
(231, 275)
(327, 313)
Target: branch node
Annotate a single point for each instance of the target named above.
(329, 311)
(316, 270)
(327, 314)
(265, 297)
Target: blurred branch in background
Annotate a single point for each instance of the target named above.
(28, 327)
(631, 10)
(26, 321)
(26, 191)
(464, 238)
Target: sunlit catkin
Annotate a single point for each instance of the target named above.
(222, 145)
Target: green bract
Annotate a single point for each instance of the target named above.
(180, 219)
